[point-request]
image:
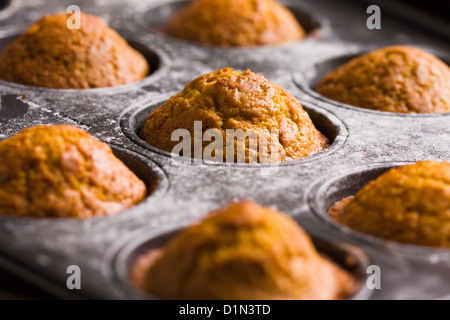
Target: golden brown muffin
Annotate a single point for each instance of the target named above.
(51, 55)
(242, 251)
(62, 172)
(395, 79)
(240, 23)
(409, 204)
(228, 99)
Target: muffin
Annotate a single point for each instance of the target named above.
(394, 79)
(51, 55)
(240, 23)
(230, 100)
(60, 171)
(242, 251)
(409, 204)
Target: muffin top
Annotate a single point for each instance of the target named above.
(230, 100)
(395, 79)
(51, 55)
(61, 171)
(408, 204)
(239, 23)
(245, 251)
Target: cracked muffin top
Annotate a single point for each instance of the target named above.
(395, 79)
(61, 171)
(409, 204)
(242, 251)
(230, 100)
(241, 23)
(51, 55)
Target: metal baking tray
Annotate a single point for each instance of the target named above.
(365, 143)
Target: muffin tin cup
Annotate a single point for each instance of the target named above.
(157, 59)
(329, 190)
(122, 256)
(151, 174)
(307, 78)
(155, 16)
(334, 129)
(147, 171)
(8, 8)
(42, 267)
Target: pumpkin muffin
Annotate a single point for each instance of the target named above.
(241, 251)
(409, 204)
(51, 55)
(240, 23)
(230, 100)
(61, 171)
(395, 79)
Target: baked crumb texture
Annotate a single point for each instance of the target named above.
(61, 171)
(409, 204)
(241, 251)
(395, 79)
(239, 23)
(51, 55)
(229, 99)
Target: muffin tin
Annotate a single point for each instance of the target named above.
(365, 144)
